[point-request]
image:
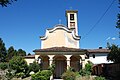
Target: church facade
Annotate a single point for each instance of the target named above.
(60, 46)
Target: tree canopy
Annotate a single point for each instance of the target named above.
(10, 53)
(7, 54)
(118, 20)
(114, 54)
(4, 3)
(2, 51)
(18, 63)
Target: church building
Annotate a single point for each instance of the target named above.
(60, 46)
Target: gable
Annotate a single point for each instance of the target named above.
(60, 36)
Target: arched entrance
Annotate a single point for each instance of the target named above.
(60, 66)
(44, 62)
(75, 62)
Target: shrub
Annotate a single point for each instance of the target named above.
(10, 74)
(21, 74)
(42, 75)
(3, 66)
(52, 67)
(88, 67)
(35, 67)
(87, 70)
(69, 75)
(100, 78)
(84, 72)
(18, 63)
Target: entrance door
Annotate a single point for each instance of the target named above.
(60, 67)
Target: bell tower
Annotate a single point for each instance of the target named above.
(71, 16)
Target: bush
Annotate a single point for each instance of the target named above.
(18, 63)
(10, 74)
(35, 67)
(21, 74)
(87, 70)
(3, 66)
(42, 75)
(88, 67)
(84, 72)
(100, 78)
(69, 75)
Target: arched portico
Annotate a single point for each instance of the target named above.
(75, 62)
(60, 65)
(43, 60)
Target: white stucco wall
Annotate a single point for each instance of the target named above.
(99, 58)
(28, 60)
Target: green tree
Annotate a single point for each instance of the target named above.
(18, 63)
(3, 65)
(29, 54)
(114, 54)
(4, 3)
(118, 20)
(21, 52)
(35, 67)
(10, 53)
(2, 51)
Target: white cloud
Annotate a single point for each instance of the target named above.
(113, 38)
(108, 38)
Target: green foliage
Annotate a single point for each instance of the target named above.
(42, 75)
(69, 75)
(21, 52)
(35, 67)
(52, 67)
(2, 51)
(4, 3)
(10, 53)
(84, 72)
(29, 54)
(118, 20)
(100, 78)
(3, 66)
(114, 54)
(21, 74)
(10, 74)
(18, 63)
(88, 66)
(87, 70)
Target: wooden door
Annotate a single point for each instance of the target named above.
(60, 67)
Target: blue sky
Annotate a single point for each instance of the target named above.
(24, 21)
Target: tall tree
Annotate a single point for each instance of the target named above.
(118, 21)
(2, 51)
(10, 53)
(4, 3)
(21, 52)
(114, 54)
(18, 63)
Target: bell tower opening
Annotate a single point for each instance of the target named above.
(71, 16)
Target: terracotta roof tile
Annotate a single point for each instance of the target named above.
(59, 49)
(30, 56)
(98, 50)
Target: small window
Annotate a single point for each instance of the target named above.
(71, 16)
(93, 55)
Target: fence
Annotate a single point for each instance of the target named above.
(107, 70)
